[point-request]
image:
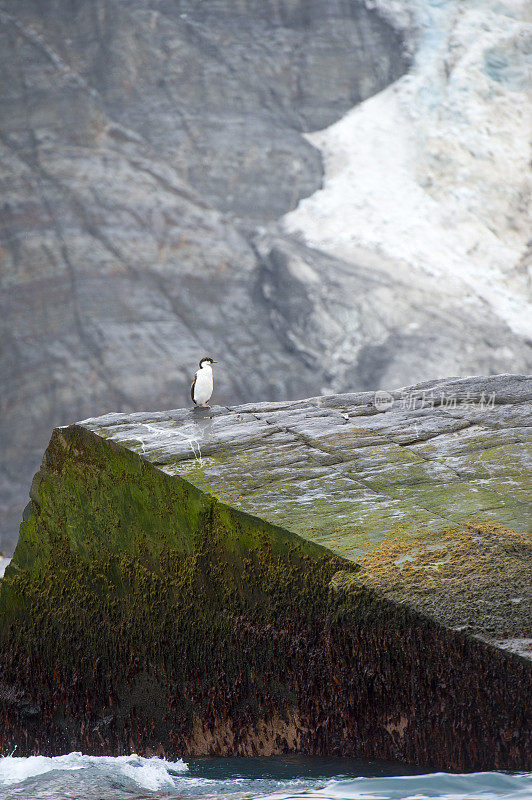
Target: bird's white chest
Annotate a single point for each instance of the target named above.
(203, 385)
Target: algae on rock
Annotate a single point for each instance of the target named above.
(147, 609)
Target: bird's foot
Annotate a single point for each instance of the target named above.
(205, 405)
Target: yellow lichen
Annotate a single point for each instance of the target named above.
(481, 561)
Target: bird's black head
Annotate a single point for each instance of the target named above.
(208, 361)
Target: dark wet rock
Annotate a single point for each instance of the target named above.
(326, 576)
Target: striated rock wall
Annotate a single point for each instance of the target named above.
(146, 151)
(126, 129)
(157, 607)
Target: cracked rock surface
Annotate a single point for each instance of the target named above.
(427, 487)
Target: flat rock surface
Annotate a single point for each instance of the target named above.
(426, 487)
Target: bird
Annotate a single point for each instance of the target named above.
(202, 383)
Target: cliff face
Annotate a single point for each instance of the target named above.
(146, 150)
(128, 131)
(343, 575)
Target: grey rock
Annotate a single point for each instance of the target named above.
(356, 567)
(370, 327)
(433, 503)
(146, 150)
(126, 129)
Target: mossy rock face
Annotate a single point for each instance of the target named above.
(250, 581)
(437, 465)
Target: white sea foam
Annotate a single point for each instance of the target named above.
(149, 773)
(106, 778)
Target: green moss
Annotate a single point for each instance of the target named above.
(140, 612)
(118, 559)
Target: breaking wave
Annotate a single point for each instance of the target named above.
(76, 775)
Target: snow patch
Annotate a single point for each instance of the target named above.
(4, 562)
(434, 171)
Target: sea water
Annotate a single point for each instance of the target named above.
(81, 777)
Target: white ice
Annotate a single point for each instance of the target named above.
(434, 171)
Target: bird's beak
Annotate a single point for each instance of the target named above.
(215, 362)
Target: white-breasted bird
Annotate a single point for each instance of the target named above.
(202, 384)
